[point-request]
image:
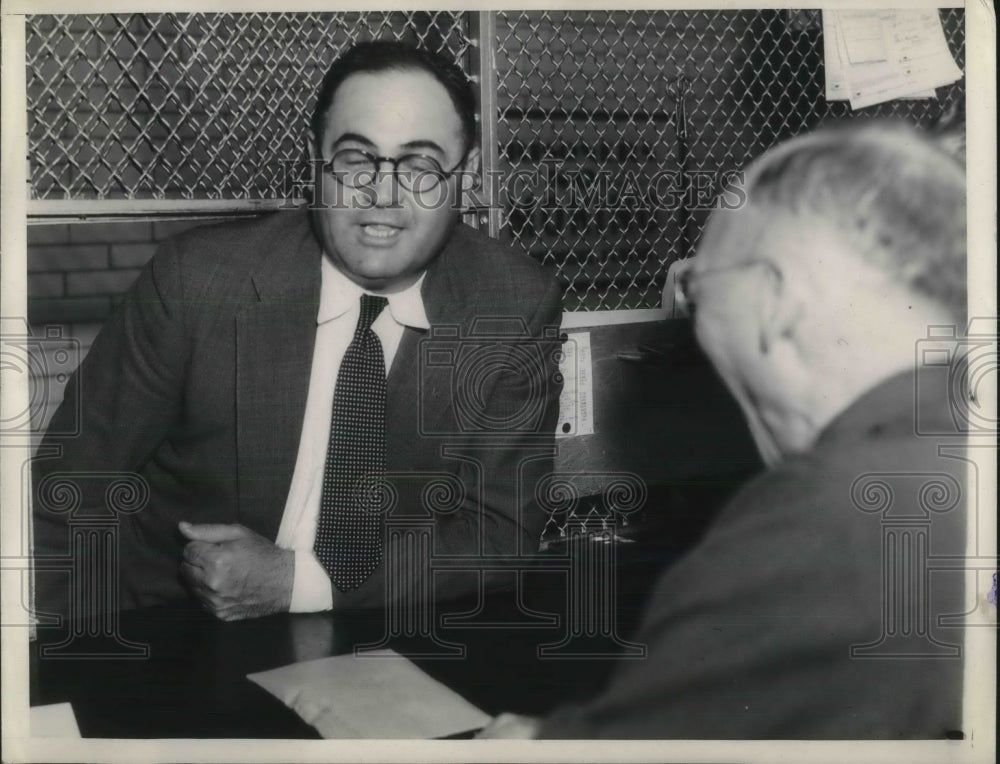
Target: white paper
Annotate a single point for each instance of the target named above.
(56, 720)
(378, 695)
(863, 38)
(836, 80)
(918, 59)
(919, 47)
(910, 61)
(576, 404)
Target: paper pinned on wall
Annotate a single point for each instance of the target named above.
(863, 37)
(836, 82)
(875, 56)
(378, 695)
(576, 404)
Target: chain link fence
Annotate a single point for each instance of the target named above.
(616, 130)
(190, 106)
(613, 129)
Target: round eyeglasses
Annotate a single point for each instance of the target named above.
(355, 168)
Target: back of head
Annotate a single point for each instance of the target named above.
(386, 56)
(890, 194)
(862, 229)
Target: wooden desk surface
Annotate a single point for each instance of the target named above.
(193, 683)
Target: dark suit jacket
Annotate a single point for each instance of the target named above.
(198, 384)
(751, 634)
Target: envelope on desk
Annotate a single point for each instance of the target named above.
(379, 695)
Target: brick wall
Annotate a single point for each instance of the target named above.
(77, 272)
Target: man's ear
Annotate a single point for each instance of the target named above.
(779, 307)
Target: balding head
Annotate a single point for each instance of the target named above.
(890, 195)
(851, 243)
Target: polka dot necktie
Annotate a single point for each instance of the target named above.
(349, 531)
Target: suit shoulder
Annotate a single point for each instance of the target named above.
(237, 243)
(222, 259)
(494, 265)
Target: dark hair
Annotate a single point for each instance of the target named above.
(388, 55)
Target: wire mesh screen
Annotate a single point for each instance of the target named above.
(614, 130)
(190, 106)
(617, 129)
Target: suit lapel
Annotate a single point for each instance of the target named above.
(403, 393)
(275, 341)
(274, 347)
(419, 390)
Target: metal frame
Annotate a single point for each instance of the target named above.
(483, 31)
(59, 210)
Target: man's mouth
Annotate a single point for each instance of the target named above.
(380, 230)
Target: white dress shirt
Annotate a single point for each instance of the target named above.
(339, 308)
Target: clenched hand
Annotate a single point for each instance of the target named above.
(235, 572)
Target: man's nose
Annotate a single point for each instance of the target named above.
(385, 187)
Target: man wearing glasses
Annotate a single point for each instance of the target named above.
(809, 609)
(284, 384)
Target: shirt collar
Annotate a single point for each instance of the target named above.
(338, 294)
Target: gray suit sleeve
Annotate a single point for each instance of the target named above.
(120, 404)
